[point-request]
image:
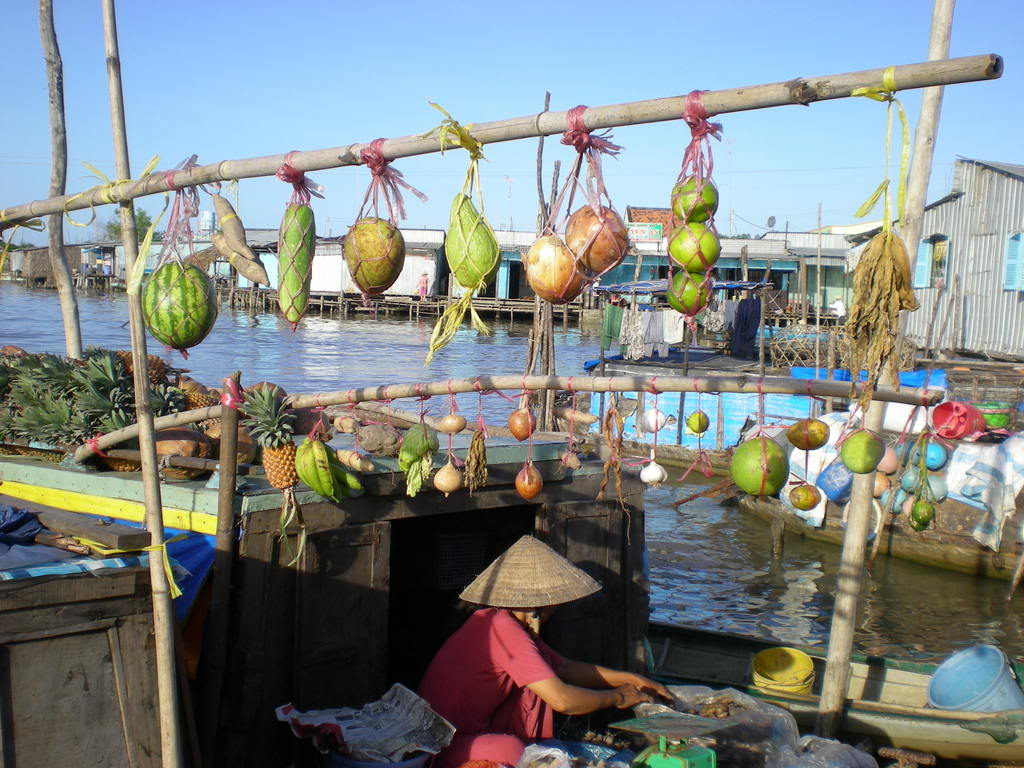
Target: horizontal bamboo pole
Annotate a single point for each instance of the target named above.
(796, 91)
(186, 462)
(708, 384)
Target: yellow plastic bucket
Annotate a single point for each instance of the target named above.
(783, 670)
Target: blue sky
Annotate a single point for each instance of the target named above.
(231, 80)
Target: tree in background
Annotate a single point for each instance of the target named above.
(112, 229)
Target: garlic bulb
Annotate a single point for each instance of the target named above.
(653, 420)
(654, 474)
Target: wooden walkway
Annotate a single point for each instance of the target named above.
(410, 307)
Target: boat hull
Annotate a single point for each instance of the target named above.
(885, 705)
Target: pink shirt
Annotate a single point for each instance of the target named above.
(477, 681)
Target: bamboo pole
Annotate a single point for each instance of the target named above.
(163, 614)
(742, 383)
(796, 91)
(220, 602)
(837, 669)
(58, 180)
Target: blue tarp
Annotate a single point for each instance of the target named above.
(936, 377)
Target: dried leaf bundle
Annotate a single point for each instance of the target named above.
(475, 469)
(881, 288)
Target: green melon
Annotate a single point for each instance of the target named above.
(470, 247)
(375, 254)
(760, 467)
(179, 304)
(296, 243)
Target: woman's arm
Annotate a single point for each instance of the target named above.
(576, 700)
(588, 675)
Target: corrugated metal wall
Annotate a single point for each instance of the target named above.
(975, 312)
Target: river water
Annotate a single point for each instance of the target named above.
(711, 566)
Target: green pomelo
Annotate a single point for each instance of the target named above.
(375, 254)
(470, 246)
(690, 205)
(687, 293)
(808, 434)
(698, 422)
(296, 243)
(694, 247)
(805, 497)
(179, 304)
(861, 451)
(759, 467)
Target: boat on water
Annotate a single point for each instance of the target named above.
(886, 699)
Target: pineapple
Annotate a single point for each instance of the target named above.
(271, 425)
(196, 394)
(157, 368)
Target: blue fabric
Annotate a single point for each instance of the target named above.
(935, 378)
(27, 555)
(17, 526)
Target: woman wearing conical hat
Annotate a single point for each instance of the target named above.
(498, 683)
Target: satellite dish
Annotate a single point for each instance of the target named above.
(771, 222)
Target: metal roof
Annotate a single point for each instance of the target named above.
(1008, 168)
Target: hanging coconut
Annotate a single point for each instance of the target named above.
(179, 304)
(375, 254)
(296, 243)
(473, 256)
(694, 247)
(552, 272)
(861, 451)
(808, 434)
(760, 467)
(805, 497)
(694, 200)
(598, 238)
(687, 293)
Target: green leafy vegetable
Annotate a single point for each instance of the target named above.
(416, 458)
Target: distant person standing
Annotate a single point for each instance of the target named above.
(838, 308)
(423, 285)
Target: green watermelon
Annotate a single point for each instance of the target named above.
(179, 304)
(296, 243)
(375, 254)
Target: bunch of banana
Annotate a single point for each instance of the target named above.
(319, 468)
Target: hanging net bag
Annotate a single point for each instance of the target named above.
(374, 247)
(470, 246)
(296, 243)
(179, 300)
(693, 246)
(559, 269)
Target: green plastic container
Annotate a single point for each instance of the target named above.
(998, 414)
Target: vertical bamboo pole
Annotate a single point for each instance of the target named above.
(837, 670)
(58, 180)
(223, 558)
(163, 614)
(817, 324)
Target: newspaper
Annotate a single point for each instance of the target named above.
(385, 730)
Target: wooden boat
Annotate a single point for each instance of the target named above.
(947, 543)
(886, 702)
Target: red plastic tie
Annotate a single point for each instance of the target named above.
(386, 182)
(94, 446)
(302, 186)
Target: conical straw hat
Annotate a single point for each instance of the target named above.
(529, 574)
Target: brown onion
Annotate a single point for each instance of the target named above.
(606, 235)
(452, 424)
(528, 481)
(521, 423)
(448, 479)
(552, 272)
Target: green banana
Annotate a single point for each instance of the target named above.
(320, 469)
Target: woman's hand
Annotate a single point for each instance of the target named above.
(630, 696)
(652, 688)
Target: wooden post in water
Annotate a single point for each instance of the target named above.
(837, 670)
(163, 612)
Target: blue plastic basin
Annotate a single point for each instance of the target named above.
(976, 679)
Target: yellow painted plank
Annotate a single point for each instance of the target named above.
(73, 501)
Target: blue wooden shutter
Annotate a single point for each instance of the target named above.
(1012, 271)
(923, 265)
